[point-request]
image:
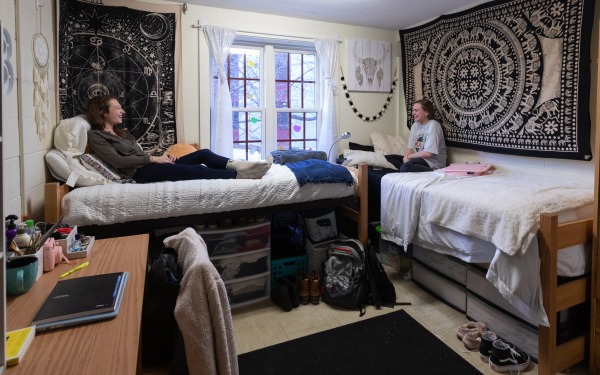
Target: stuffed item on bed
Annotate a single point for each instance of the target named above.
(293, 155)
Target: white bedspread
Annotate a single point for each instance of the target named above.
(119, 203)
(501, 208)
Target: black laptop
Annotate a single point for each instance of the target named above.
(82, 300)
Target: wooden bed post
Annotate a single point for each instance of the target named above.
(361, 214)
(53, 195)
(554, 237)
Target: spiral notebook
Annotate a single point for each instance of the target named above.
(82, 300)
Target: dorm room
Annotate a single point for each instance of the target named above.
(551, 313)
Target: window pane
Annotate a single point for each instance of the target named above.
(236, 63)
(281, 66)
(247, 135)
(309, 67)
(281, 95)
(296, 95)
(309, 95)
(297, 130)
(252, 94)
(295, 66)
(252, 64)
(236, 87)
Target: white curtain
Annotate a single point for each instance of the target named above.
(219, 41)
(328, 133)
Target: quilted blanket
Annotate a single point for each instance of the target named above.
(120, 203)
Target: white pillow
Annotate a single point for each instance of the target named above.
(70, 135)
(389, 145)
(57, 164)
(372, 159)
(61, 168)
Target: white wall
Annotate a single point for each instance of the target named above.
(23, 152)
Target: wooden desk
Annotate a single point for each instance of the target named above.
(104, 347)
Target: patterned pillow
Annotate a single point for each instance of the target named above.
(94, 163)
(388, 145)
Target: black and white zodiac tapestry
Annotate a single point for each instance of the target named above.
(507, 76)
(125, 52)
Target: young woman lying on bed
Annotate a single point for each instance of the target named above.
(119, 149)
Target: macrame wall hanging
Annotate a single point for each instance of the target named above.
(356, 111)
(41, 100)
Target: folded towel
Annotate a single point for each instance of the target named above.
(320, 172)
(293, 155)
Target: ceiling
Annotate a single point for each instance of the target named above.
(382, 14)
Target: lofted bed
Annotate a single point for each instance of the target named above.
(118, 209)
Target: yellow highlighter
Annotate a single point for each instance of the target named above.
(82, 265)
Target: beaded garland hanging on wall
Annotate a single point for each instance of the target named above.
(356, 111)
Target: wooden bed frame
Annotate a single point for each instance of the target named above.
(554, 237)
(354, 208)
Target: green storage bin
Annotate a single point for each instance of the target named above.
(291, 266)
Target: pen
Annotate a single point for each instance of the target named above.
(82, 265)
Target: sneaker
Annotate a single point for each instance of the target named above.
(505, 357)
(486, 344)
(472, 340)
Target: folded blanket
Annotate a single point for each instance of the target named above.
(291, 156)
(320, 172)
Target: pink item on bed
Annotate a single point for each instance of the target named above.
(468, 169)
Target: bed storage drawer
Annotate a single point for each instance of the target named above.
(236, 266)
(242, 292)
(220, 242)
(449, 266)
(478, 284)
(442, 287)
(506, 326)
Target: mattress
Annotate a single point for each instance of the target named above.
(487, 219)
(120, 203)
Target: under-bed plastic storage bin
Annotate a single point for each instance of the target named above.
(220, 242)
(245, 291)
(237, 266)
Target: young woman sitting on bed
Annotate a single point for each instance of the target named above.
(426, 149)
(119, 149)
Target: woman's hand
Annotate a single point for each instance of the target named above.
(163, 159)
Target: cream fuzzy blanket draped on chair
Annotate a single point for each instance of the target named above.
(202, 310)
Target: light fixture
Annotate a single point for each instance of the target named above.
(344, 135)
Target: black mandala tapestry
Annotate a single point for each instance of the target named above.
(507, 76)
(124, 52)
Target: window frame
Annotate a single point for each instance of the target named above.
(268, 48)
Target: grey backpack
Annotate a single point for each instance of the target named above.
(343, 275)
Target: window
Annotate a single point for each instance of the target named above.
(274, 95)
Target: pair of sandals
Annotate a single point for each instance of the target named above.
(470, 334)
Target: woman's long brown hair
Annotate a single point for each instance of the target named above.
(97, 107)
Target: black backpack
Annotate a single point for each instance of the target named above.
(343, 275)
(381, 289)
